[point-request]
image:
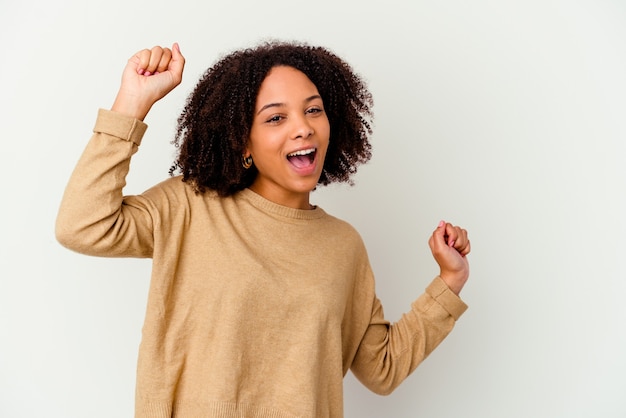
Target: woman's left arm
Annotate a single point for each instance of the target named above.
(388, 353)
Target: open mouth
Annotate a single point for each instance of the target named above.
(302, 158)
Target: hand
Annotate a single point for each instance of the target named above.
(149, 75)
(450, 246)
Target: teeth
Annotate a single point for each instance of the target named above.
(301, 152)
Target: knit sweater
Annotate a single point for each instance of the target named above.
(254, 309)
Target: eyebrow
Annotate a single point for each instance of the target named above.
(308, 99)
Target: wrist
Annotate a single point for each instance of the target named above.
(454, 281)
(131, 106)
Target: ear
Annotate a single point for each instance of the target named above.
(246, 150)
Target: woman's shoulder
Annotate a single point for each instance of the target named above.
(174, 189)
(176, 185)
(342, 228)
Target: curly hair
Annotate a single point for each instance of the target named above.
(214, 126)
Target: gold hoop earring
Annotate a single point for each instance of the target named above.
(246, 161)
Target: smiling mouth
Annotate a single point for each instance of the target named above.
(302, 158)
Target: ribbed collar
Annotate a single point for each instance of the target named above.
(268, 206)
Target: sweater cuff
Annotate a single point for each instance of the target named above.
(442, 294)
(120, 126)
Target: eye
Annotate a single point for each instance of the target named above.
(274, 119)
(314, 110)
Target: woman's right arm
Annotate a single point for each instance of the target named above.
(94, 218)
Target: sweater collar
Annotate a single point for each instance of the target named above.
(268, 206)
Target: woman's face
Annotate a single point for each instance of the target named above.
(289, 138)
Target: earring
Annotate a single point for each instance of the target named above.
(246, 161)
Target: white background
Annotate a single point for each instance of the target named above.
(506, 117)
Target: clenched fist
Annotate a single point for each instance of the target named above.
(149, 75)
(450, 246)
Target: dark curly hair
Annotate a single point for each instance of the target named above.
(214, 127)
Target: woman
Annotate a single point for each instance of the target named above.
(259, 302)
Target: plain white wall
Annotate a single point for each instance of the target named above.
(506, 117)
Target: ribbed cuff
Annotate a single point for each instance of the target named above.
(120, 126)
(439, 291)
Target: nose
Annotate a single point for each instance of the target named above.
(302, 128)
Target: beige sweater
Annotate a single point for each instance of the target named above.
(254, 309)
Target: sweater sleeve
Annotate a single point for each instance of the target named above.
(388, 353)
(94, 217)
